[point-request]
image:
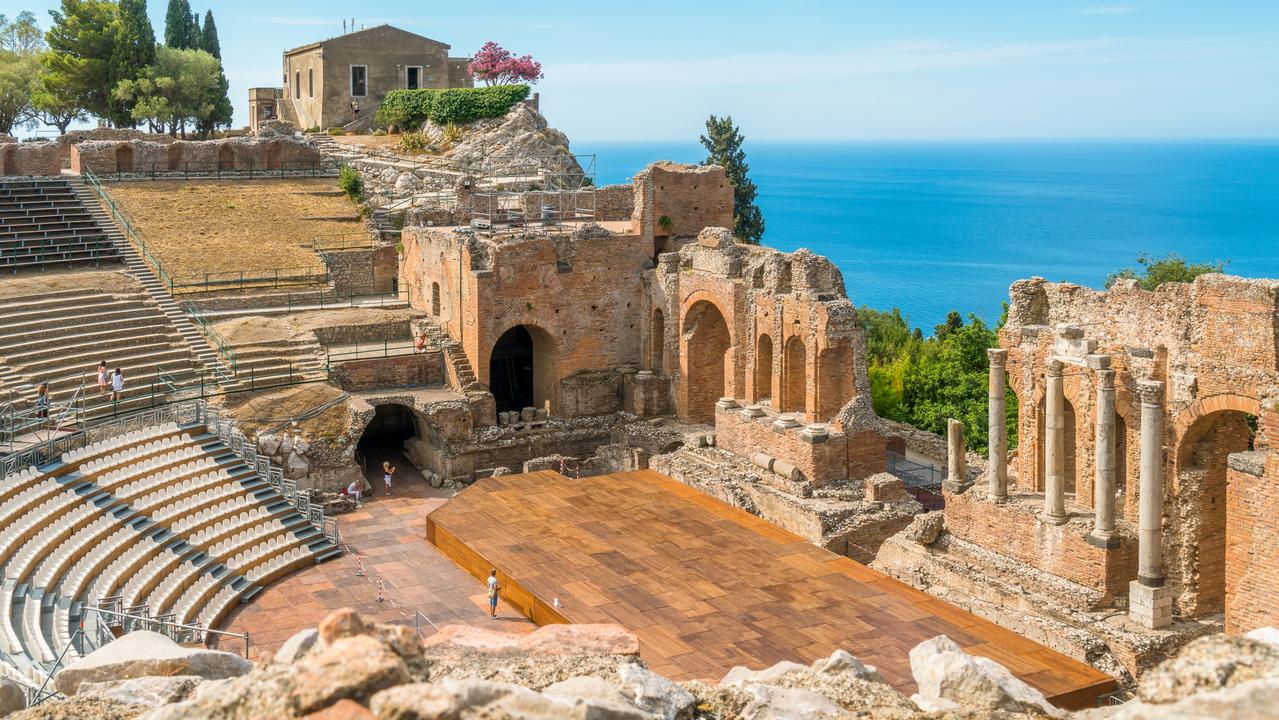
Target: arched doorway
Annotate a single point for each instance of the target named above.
(522, 369)
(794, 376)
(1068, 446)
(385, 439)
(1199, 523)
(174, 157)
(124, 158)
(764, 370)
(226, 157)
(708, 341)
(273, 156)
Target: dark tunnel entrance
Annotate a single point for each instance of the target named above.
(511, 370)
(383, 440)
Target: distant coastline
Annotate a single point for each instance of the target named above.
(937, 226)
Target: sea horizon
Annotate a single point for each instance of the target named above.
(930, 226)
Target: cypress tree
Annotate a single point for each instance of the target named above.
(195, 31)
(723, 143)
(134, 50)
(177, 25)
(209, 36)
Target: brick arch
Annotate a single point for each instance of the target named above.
(794, 376)
(762, 385)
(1209, 405)
(706, 376)
(545, 357)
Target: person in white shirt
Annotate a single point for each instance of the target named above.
(493, 588)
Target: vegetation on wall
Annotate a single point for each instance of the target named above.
(1169, 268)
(723, 143)
(924, 381)
(410, 108)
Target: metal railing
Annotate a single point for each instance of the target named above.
(195, 283)
(226, 351)
(113, 615)
(14, 422)
(36, 696)
(217, 169)
(343, 241)
(128, 228)
(368, 351)
(923, 482)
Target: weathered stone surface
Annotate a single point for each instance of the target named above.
(341, 623)
(350, 667)
(926, 528)
(12, 696)
(581, 640)
(1210, 663)
(655, 694)
(950, 679)
(450, 698)
(80, 708)
(843, 662)
(148, 691)
(1252, 700)
(593, 697)
(1267, 635)
(269, 444)
(342, 710)
(296, 466)
(295, 647)
(742, 676)
(774, 703)
(144, 653)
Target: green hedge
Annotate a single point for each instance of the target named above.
(410, 108)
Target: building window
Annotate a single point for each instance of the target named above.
(359, 80)
(297, 84)
(413, 77)
(310, 82)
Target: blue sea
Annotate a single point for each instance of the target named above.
(934, 227)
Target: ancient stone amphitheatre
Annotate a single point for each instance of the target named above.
(661, 439)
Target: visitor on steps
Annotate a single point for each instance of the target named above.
(419, 345)
(42, 402)
(355, 110)
(117, 385)
(104, 377)
(493, 594)
(356, 491)
(387, 471)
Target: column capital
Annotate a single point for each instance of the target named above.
(1151, 392)
(1054, 368)
(1098, 361)
(998, 357)
(1105, 379)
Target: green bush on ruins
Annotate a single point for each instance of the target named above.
(410, 108)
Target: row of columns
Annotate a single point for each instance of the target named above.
(1150, 601)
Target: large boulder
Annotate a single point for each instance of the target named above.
(655, 694)
(1209, 663)
(594, 697)
(950, 680)
(775, 703)
(147, 691)
(1252, 700)
(12, 696)
(143, 653)
(352, 667)
(465, 698)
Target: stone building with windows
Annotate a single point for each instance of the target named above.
(322, 79)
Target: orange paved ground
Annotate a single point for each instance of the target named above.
(706, 586)
(388, 533)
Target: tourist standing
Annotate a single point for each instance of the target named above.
(42, 402)
(387, 471)
(355, 110)
(493, 588)
(117, 385)
(419, 344)
(104, 377)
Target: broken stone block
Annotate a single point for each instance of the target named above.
(144, 653)
(528, 414)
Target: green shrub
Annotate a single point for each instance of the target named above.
(378, 133)
(351, 183)
(413, 142)
(410, 108)
(452, 133)
(336, 131)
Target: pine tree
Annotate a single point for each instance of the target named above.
(134, 50)
(177, 25)
(723, 143)
(78, 63)
(209, 36)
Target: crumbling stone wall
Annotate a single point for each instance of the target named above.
(1251, 536)
(369, 270)
(30, 159)
(424, 370)
(226, 155)
(1215, 345)
(691, 196)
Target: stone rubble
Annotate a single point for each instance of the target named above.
(350, 668)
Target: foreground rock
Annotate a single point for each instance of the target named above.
(950, 679)
(12, 696)
(145, 653)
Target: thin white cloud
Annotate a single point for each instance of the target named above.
(1109, 10)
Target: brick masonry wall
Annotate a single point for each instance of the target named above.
(423, 370)
(30, 159)
(1251, 563)
(1013, 530)
(821, 463)
(231, 154)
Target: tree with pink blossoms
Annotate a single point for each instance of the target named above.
(495, 65)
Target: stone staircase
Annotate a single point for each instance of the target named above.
(143, 273)
(276, 362)
(43, 225)
(459, 371)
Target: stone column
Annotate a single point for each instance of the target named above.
(1149, 602)
(996, 415)
(1103, 530)
(1054, 447)
(956, 460)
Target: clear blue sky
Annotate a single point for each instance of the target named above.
(889, 69)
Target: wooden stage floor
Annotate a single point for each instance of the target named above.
(706, 586)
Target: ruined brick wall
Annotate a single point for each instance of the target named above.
(610, 202)
(240, 154)
(373, 270)
(30, 159)
(1251, 566)
(1215, 345)
(424, 370)
(691, 196)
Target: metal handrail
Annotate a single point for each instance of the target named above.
(166, 627)
(214, 169)
(255, 279)
(35, 696)
(385, 351)
(338, 241)
(226, 351)
(129, 230)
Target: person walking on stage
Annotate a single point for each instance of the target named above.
(493, 588)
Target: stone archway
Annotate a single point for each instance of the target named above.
(386, 438)
(657, 341)
(226, 157)
(273, 156)
(708, 341)
(1070, 446)
(794, 377)
(522, 369)
(124, 158)
(763, 384)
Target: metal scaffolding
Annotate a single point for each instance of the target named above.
(521, 193)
